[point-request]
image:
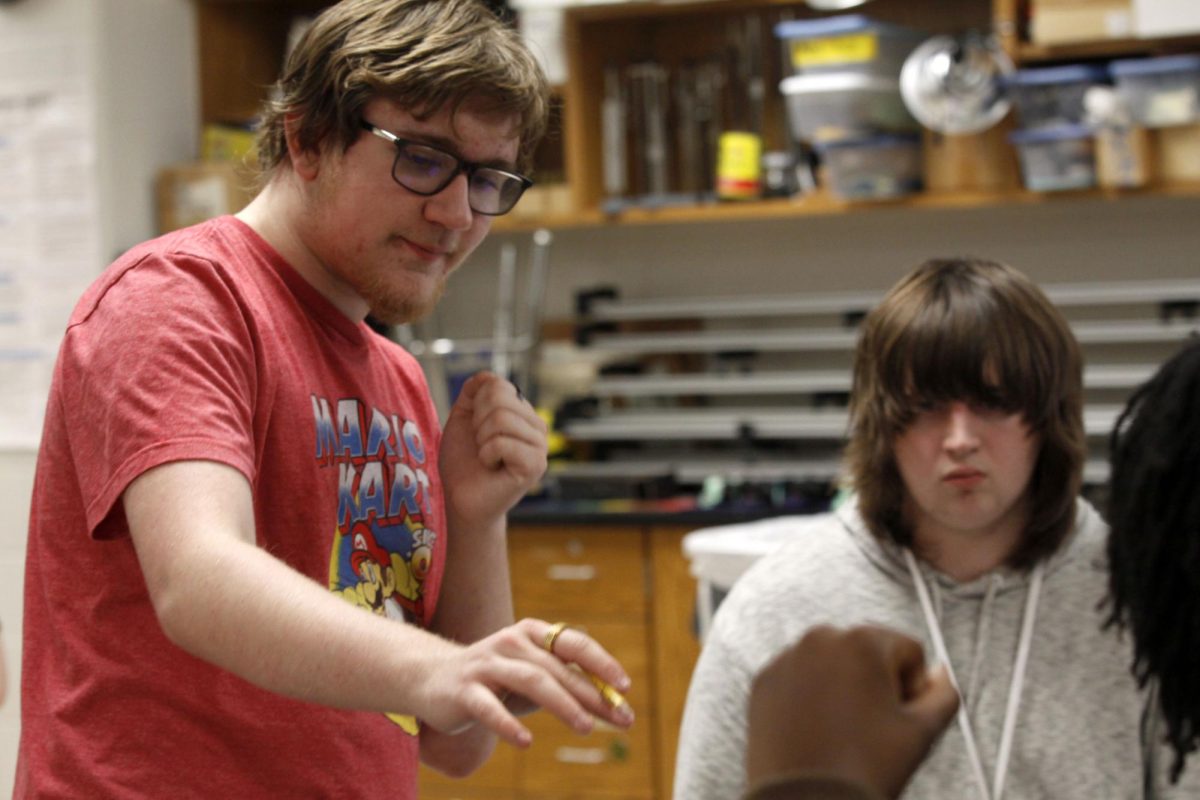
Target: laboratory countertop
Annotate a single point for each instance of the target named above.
(675, 511)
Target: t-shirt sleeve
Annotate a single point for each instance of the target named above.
(159, 368)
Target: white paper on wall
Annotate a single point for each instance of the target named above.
(49, 217)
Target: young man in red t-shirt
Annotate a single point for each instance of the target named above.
(257, 566)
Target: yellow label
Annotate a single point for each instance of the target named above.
(739, 164)
(850, 49)
(740, 156)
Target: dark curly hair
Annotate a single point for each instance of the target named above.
(1154, 542)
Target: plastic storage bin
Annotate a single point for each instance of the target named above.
(874, 167)
(850, 42)
(1056, 159)
(841, 104)
(1160, 92)
(1053, 96)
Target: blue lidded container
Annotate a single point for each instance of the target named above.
(1160, 92)
(1053, 96)
(873, 167)
(1056, 159)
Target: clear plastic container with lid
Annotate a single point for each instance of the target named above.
(1160, 92)
(850, 42)
(1056, 159)
(825, 107)
(873, 167)
(1052, 96)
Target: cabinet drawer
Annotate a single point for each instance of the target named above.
(576, 574)
(607, 762)
(496, 778)
(463, 792)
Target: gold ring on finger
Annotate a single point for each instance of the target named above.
(552, 634)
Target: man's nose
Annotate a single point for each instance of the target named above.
(451, 207)
(961, 429)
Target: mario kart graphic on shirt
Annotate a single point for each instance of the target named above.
(383, 549)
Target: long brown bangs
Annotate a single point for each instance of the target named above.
(967, 344)
(958, 353)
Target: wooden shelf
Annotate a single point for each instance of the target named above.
(1031, 53)
(821, 204)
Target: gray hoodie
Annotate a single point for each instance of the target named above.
(1077, 730)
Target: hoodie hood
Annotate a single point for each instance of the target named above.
(888, 557)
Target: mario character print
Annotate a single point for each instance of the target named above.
(382, 550)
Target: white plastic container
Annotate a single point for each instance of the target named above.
(1160, 92)
(1056, 159)
(719, 556)
(836, 105)
(1052, 96)
(847, 43)
(874, 167)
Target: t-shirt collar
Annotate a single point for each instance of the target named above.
(318, 305)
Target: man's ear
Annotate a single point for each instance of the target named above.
(306, 162)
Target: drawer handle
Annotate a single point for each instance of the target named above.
(571, 572)
(579, 755)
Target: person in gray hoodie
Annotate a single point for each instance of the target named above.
(966, 532)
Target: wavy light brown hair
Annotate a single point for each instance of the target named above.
(977, 331)
(425, 55)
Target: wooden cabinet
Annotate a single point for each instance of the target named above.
(595, 579)
(629, 587)
(241, 49)
(497, 779)
(607, 762)
(675, 646)
(580, 574)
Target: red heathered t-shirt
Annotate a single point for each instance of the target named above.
(205, 344)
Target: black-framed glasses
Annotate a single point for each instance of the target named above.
(427, 170)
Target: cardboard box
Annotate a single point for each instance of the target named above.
(1178, 151)
(1166, 17)
(544, 200)
(1068, 21)
(979, 162)
(1037, 5)
(1125, 157)
(193, 192)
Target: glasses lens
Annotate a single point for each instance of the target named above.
(423, 169)
(494, 191)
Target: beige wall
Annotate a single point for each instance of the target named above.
(1054, 242)
(16, 481)
(143, 65)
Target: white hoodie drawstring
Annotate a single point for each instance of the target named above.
(1016, 687)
